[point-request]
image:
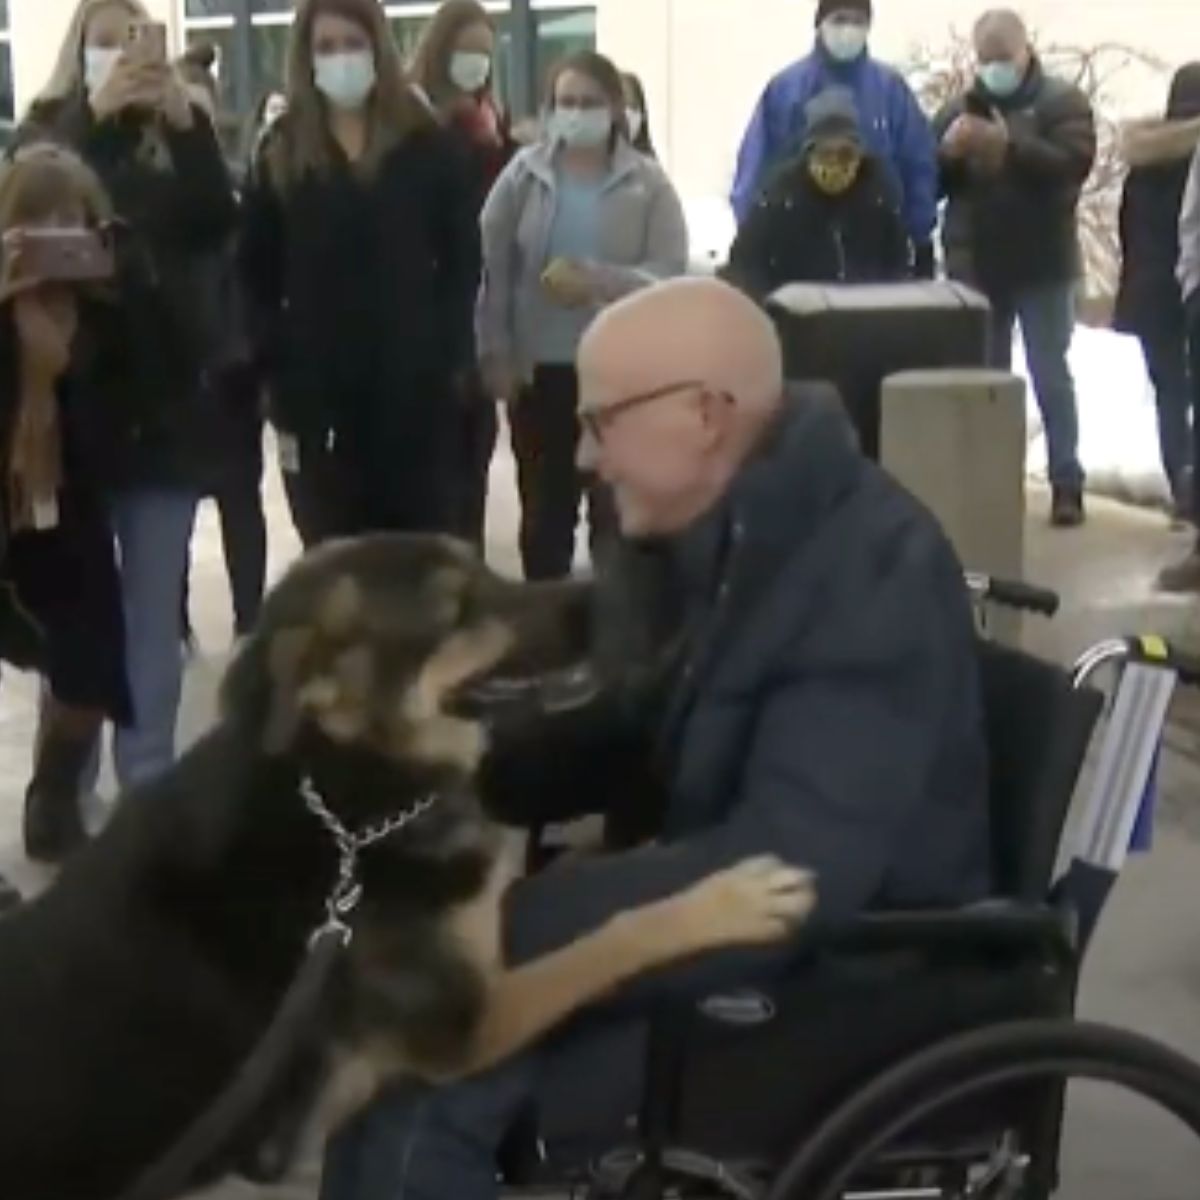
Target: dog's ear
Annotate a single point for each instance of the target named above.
(341, 609)
(287, 653)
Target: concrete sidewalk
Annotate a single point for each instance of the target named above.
(1144, 972)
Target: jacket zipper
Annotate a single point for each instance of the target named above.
(840, 244)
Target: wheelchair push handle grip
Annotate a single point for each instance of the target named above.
(1012, 593)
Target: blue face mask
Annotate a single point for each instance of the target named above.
(1002, 79)
(844, 40)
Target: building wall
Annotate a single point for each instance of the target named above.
(37, 28)
(705, 62)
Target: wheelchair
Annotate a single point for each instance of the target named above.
(924, 1055)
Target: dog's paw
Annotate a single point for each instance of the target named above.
(759, 900)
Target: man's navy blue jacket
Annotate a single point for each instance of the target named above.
(826, 709)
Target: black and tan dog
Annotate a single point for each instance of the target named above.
(132, 991)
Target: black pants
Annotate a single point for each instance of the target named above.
(345, 486)
(1193, 339)
(475, 445)
(1166, 354)
(545, 437)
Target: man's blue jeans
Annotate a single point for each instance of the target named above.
(1047, 316)
(423, 1143)
(153, 528)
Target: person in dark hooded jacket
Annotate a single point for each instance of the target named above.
(830, 215)
(1149, 302)
(116, 101)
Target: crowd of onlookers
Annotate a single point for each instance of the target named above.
(383, 259)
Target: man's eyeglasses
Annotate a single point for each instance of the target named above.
(597, 420)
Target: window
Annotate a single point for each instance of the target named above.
(7, 106)
(559, 29)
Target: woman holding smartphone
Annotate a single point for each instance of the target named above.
(455, 68)
(574, 222)
(115, 99)
(61, 338)
(361, 258)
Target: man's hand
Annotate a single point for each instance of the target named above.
(173, 100)
(15, 278)
(956, 142)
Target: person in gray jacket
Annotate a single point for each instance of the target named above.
(573, 223)
(822, 703)
(1184, 576)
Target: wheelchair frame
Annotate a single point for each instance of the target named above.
(1147, 671)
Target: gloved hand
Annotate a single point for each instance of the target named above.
(924, 261)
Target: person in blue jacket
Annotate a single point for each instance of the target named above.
(896, 130)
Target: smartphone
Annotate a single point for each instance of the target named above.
(66, 256)
(148, 41)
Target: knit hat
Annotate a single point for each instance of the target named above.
(832, 114)
(826, 8)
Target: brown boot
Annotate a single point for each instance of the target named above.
(1183, 577)
(53, 826)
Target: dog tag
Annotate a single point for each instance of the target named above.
(45, 513)
(289, 453)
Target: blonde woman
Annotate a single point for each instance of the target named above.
(361, 259)
(60, 599)
(115, 100)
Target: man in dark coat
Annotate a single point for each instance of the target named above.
(1015, 151)
(823, 705)
(1149, 302)
(829, 215)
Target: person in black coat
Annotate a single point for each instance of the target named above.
(61, 347)
(1015, 149)
(1149, 303)
(360, 253)
(829, 215)
(123, 108)
(454, 68)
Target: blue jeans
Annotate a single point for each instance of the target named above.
(1047, 317)
(424, 1143)
(154, 529)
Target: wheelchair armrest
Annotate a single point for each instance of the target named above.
(989, 927)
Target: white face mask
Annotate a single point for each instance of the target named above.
(346, 79)
(98, 64)
(469, 71)
(844, 40)
(581, 128)
(636, 120)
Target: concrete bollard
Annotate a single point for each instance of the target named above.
(956, 440)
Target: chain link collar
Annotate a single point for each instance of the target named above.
(346, 894)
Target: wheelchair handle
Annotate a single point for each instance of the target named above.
(1012, 593)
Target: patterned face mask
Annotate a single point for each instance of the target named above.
(833, 176)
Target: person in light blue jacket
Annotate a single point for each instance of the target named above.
(896, 130)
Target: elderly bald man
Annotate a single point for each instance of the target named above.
(824, 706)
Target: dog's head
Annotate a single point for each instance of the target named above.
(391, 644)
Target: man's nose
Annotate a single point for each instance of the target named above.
(587, 456)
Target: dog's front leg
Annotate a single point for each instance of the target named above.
(756, 902)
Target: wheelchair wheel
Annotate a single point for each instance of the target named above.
(968, 1067)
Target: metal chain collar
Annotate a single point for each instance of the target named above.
(346, 894)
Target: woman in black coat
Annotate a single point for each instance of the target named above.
(123, 108)
(827, 215)
(360, 253)
(1149, 304)
(61, 348)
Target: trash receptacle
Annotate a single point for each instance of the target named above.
(856, 336)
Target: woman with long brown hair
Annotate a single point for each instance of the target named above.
(455, 69)
(60, 598)
(118, 102)
(361, 257)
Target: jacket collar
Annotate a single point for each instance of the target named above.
(625, 161)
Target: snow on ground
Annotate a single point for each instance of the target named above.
(1118, 429)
